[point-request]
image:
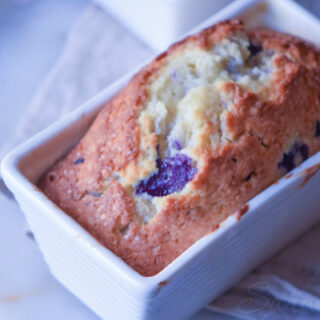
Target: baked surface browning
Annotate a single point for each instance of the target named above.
(195, 134)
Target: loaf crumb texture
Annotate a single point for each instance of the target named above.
(195, 134)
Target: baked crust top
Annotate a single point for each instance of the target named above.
(224, 113)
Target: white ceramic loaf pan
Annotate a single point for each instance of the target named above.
(103, 281)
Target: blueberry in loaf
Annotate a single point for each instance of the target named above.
(194, 135)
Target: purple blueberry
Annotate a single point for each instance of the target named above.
(288, 161)
(176, 145)
(94, 194)
(233, 67)
(254, 49)
(79, 160)
(174, 74)
(304, 151)
(317, 133)
(172, 175)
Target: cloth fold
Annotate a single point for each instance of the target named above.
(286, 287)
(98, 51)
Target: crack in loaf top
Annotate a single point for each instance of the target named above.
(194, 135)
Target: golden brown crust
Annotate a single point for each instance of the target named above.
(262, 131)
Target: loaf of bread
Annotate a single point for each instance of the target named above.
(195, 134)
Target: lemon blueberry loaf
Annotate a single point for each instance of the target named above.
(194, 135)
